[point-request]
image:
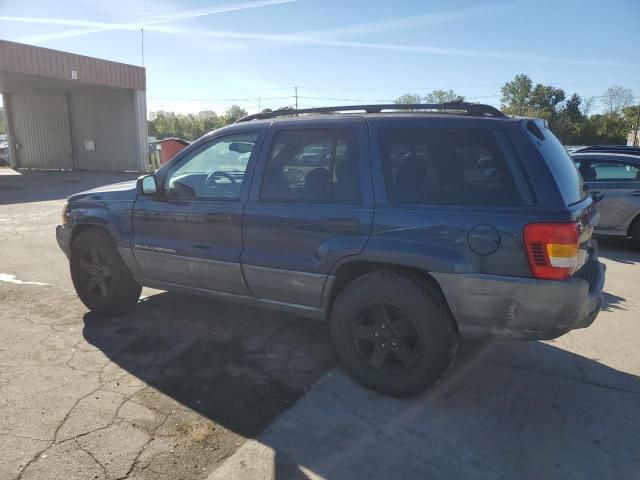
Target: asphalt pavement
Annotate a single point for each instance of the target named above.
(185, 388)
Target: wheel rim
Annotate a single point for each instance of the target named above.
(96, 275)
(386, 338)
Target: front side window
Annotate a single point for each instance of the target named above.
(319, 165)
(215, 171)
(446, 165)
(614, 172)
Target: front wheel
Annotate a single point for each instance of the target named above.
(393, 333)
(101, 279)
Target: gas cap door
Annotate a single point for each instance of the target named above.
(483, 239)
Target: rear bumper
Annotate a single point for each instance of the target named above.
(63, 236)
(524, 308)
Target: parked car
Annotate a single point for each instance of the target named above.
(615, 177)
(624, 149)
(407, 231)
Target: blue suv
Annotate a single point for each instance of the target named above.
(406, 227)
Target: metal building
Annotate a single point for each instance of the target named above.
(67, 111)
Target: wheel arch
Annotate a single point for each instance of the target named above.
(633, 223)
(349, 271)
(83, 227)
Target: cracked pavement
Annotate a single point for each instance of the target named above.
(167, 392)
(186, 388)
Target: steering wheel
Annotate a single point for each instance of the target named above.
(210, 182)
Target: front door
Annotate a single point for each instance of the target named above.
(191, 233)
(619, 184)
(313, 207)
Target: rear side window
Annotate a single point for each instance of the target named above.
(614, 172)
(446, 165)
(318, 166)
(562, 168)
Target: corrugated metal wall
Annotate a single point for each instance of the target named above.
(108, 118)
(94, 128)
(40, 129)
(21, 58)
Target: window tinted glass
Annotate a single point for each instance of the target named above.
(446, 165)
(561, 166)
(313, 166)
(216, 170)
(613, 171)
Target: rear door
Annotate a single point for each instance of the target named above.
(619, 183)
(311, 203)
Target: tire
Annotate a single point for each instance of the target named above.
(390, 298)
(101, 279)
(635, 235)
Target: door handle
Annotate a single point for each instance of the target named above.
(596, 196)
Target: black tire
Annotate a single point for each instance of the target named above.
(635, 234)
(101, 279)
(396, 297)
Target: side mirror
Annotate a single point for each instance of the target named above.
(146, 185)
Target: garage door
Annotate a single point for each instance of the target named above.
(41, 130)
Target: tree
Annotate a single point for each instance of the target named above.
(587, 105)
(516, 94)
(545, 98)
(408, 99)
(616, 98)
(572, 109)
(234, 113)
(443, 96)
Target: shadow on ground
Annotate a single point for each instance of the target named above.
(618, 249)
(24, 186)
(505, 410)
(238, 366)
(523, 410)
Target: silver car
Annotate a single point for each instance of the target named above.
(617, 178)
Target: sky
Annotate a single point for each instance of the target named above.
(213, 54)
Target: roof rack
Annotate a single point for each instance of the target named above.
(474, 109)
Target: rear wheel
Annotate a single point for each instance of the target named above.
(101, 279)
(393, 333)
(635, 234)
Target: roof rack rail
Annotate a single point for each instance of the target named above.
(475, 109)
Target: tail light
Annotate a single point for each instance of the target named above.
(552, 249)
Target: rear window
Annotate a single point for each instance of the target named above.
(461, 166)
(562, 168)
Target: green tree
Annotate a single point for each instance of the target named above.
(234, 113)
(516, 94)
(545, 98)
(408, 99)
(442, 96)
(572, 109)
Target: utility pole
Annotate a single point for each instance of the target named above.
(296, 93)
(259, 106)
(635, 133)
(142, 44)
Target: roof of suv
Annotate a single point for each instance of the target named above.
(476, 110)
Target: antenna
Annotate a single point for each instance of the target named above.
(142, 44)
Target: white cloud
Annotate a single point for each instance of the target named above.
(89, 27)
(318, 38)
